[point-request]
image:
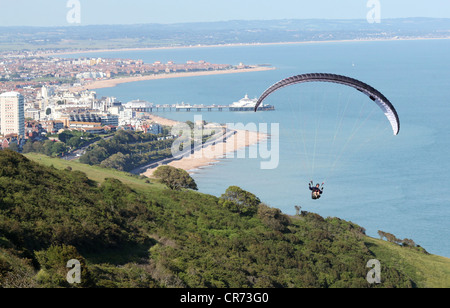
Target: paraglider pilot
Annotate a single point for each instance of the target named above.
(317, 191)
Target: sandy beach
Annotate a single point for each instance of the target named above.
(110, 83)
(161, 120)
(213, 153)
(210, 154)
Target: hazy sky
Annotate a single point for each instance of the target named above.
(54, 12)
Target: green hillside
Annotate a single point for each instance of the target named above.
(131, 232)
(429, 271)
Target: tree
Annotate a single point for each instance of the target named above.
(190, 124)
(273, 218)
(64, 136)
(389, 237)
(409, 242)
(174, 178)
(125, 137)
(74, 142)
(38, 147)
(240, 201)
(48, 147)
(117, 161)
(94, 156)
(58, 148)
(14, 147)
(28, 147)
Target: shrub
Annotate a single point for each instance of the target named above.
(239, 201)
(175, 179)
(273, 218)
(53, 262)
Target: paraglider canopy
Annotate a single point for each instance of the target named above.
(372, 93)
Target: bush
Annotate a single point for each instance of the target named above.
(53, 262)
(165, 238)
(273, 218)
(175, 179)
(239, 201)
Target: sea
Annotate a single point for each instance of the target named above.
(329, 133)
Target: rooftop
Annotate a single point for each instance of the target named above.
(9, 94)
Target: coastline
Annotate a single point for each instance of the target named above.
(111, 83)
(242, 139)
(214, 153)
(206, 156)
(161, 120)
(241, 44)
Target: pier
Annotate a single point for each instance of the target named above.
(209, 108)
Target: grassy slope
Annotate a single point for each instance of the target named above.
(430, 271)
(427, 270)
(96, 173)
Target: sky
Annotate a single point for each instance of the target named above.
(105, 12)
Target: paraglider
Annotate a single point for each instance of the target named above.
(317, 191)
(383, 103)
(372, 93)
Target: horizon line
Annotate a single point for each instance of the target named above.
(217, 21)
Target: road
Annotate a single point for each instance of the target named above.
(81, 151)
(222, 138)
(165, 161)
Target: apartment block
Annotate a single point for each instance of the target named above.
(12, 115)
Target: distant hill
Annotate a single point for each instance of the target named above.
(217, 33)
(127, 232)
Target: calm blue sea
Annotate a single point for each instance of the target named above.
(397, 184)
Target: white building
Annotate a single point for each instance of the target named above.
(12, 114)
(91, 75)
(64, 100)
(139, 106)
(33, 113)
(126, 116)
(105, 103)
(110, 120)
(47, 92)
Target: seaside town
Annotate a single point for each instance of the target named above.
(45, 95)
